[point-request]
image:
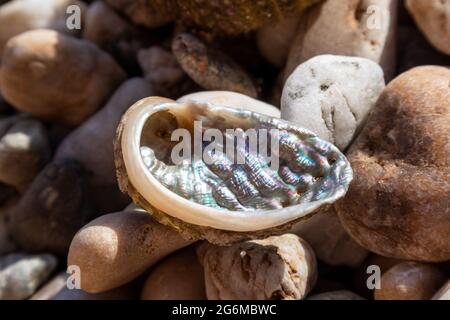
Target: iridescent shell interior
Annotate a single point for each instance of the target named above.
(309, 170)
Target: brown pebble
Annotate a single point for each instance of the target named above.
(52, 209)
(24, 151)
(178, 277)
(410, 281)
(116, 248)
(432, 17)
(57, 77)
(398, 203)
(209, 67)
(91, 145)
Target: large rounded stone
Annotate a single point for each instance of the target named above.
(399, 202)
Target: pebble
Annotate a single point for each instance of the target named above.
(178, 277)
(24, 150)
(23, 15)
(116, 248)
(347, 28)
(123, 41)
(160, 66)
(22, 274)
(332, 96)
(57, 77)
(56, 289)
(330, 242)
(162, 70)
(97, 156)
(410, 281)
(280, 267)
(274, 40)
(52, 209)
(433, 19)
(398, 203)
(232, 99)
(211, 68)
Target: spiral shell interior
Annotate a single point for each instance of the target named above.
(216, 190)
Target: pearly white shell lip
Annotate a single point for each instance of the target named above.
(188, 211)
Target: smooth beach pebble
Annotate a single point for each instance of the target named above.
(398, 203)
(21, 274)
(275, 39)
(57, 77)
(178, 277)
(52, 209)
(350, 28)
(410, 281)
(23, 15)
(332, 96)
(433, 19)
(331, 243)
(234, 100)
(24, 151)
(116, 248)
(97, 156)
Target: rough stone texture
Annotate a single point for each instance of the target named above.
(23, 15)
(336, 295)
(57, 77)
(443, 293)
(56, 289)
(398, 204)
(348, 28)
(280, 267)
(218, 17)
(410, 281)
(332, 96)
(331, 243)
(234, 17)
(178, 277)
(21, 275)
(52, 209)
(433, 19)
(91, 145)
(274, 40)
(116, 248)
(211, 68)
(24, 150)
